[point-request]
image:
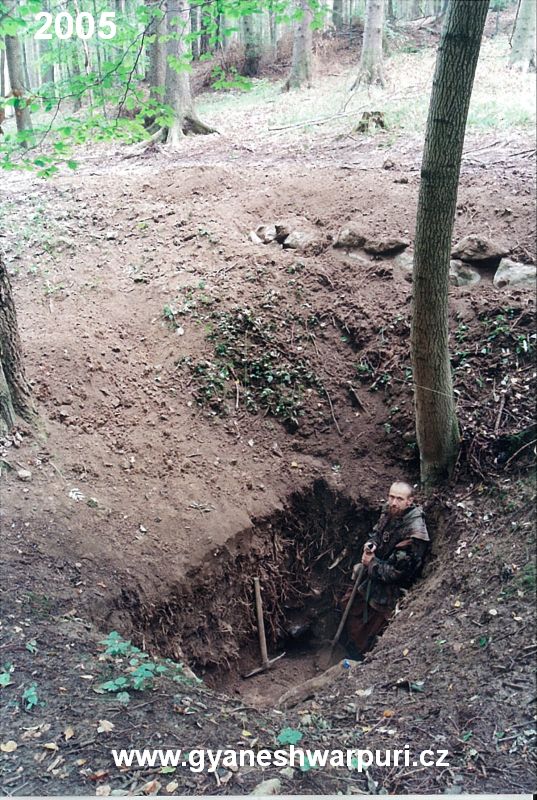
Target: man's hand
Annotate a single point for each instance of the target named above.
(355, 571)
(368, 554)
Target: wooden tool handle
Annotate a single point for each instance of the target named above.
(348, 607)
(261, 624)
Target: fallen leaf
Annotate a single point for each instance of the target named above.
(406, 651)
(388, 713)
(105, 726)
(99, 775)
(81, 761)
(151, 787)
(457, 604)
(103, 791)
(172, 786)
(51, 746)
(8, 747)
(69, 732)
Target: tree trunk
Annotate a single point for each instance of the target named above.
(75, 72)
(16, 80)
(302, 50)
(415, 12)
(156, 73)
(15, 395)
(436, 421)
(522, 56)
(195, 31)
(252, 52)
(370, 70)
(178, 93)
(390, 13)
(337, 14)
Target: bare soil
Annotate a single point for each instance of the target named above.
(158, 490)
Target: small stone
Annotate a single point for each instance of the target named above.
(24, 475)
(383, 247)
(272, 786)
(350, 236)
(266, 233)
(287, 772)
(298, 240)
(478, 248)
(460, 274)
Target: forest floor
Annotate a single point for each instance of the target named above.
(214, 409)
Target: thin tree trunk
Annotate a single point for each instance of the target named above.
(522, 56)
(370, 70)
(194, 29)
(252, 51)
(178, 93)
(415, 11)
(16, 80)
(337, 15)
(436, 421)
(15, 394)
(302, 49)
(156, 74)
(75, 72)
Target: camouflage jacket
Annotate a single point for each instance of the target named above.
(401, 543)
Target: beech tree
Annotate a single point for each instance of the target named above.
(436, 421)
(302, 49)
(370, 70)
(15, 67)
(15, 395)
(522, 56)
(178, 91)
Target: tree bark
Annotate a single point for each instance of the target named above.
(15, 394)
(16, 72)
(252, 51)
(337, 15)
(302, 49)
(522, 56)
(178, 92)
(436, 421)
(415, 12)
(156, 73)
(370, 70)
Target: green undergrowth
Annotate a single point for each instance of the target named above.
(250, 367)
(130, 669)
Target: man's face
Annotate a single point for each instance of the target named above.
(399, 500)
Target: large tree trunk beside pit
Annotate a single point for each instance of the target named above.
(436, 422)
(15, 395)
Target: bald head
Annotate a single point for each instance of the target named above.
(400, 498)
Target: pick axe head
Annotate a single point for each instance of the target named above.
(264, 667)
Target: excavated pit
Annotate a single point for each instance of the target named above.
(303, 556)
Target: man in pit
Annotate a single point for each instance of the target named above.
(391, 560)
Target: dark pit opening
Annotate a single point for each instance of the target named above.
(303, 556)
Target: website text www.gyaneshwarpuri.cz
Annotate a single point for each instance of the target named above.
(201, 760)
